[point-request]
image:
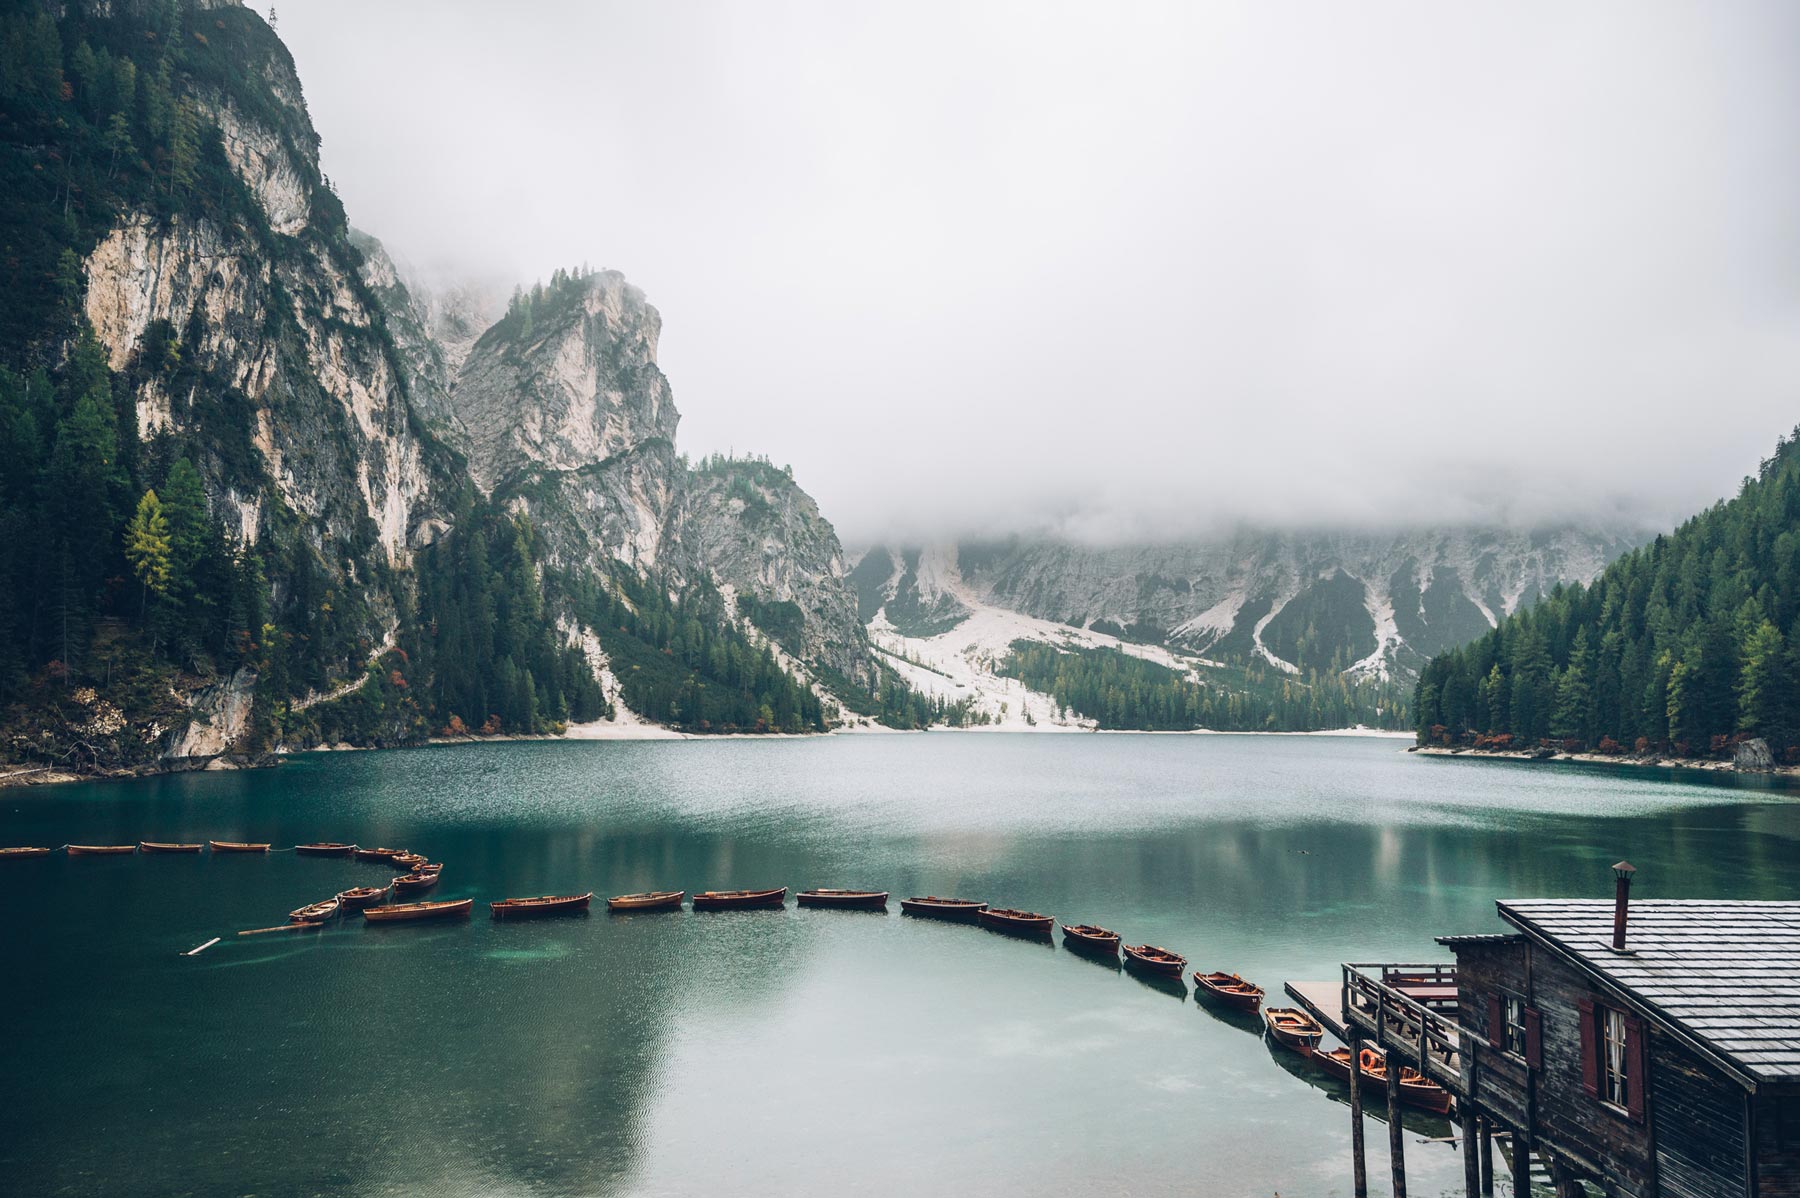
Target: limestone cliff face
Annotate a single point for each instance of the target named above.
(752, 529)
(570, 421)
(250, 341)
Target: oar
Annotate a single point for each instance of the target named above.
(195, 952)
(280, 927)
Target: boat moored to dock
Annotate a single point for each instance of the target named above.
(863, 900)
(315, 912)
(543, 904)
(729, 900)
(1230, 989)
(933, 907)
(1294, 1028)
(649, 900)
(1156, 960)
(413, 912)
(1015, 922)
(1088, 938)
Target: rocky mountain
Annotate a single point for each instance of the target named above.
(382, 508)
(1367, 608)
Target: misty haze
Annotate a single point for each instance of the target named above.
(787, 599)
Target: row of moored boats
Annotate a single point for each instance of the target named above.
(1289, 1026)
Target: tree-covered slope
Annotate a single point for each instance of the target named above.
(1685, 645)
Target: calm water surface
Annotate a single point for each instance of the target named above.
(795, 1052)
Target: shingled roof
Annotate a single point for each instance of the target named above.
(1725, 975)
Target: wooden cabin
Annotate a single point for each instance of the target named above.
(1668, 1066)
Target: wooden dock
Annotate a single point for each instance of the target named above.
(1324, 1001)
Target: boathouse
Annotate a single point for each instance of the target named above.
(1643, 1050)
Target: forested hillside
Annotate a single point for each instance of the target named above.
(1684, 646)
(1121, 691)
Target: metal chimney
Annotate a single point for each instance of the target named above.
(1621, 902)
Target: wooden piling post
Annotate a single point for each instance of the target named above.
(1471, 1151)
(1521, 1166)
(1358, 1164)
(1396, 1132)
(1487, 1158)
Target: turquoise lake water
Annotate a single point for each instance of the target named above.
(778, 1052)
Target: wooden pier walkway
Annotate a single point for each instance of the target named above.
(1324, 1001)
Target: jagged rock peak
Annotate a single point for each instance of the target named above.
(566, 379)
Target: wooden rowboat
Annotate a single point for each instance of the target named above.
(358, 897)
(862, 899)
(429, 867)
(315, 912)
(1090, 939)
(1294, 1028)
(97, 850)
(933, 907)
(1415, 1089)
(411, 912)
(377, 854)
(412, 882)
(1019, 923)
(325, 848)
(723, 900)
(163, 846)
(237, 846)
(22, 852)
(406, 862)
(1157, 960)
(1230, 989)
(649, 900)
(544, 904)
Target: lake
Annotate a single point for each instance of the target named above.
(777, 1052)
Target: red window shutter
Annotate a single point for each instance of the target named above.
(1496, 1022)
(1637, 1080)
(1534, 1039)
(1590, 1049)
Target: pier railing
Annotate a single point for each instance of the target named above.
(1404, 1027)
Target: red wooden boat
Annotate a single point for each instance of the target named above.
(1157, 960)
(544, 904)
(933, 907)
(1090, 939)
(864, 899)
(649, 900)
(1019, 923)
(1230, 989)
(325, 848)
(237, 846)
(101, 850)
(163, 846)
(1294, 1028)
(412, 912)
(378, 854)
(22, 852)
(406, 862)
(315, 912)
(358, 897)
(1415, 1089)
(725, 900)
(429, 867)
(412, 882)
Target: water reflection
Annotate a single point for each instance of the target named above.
(663, 1052)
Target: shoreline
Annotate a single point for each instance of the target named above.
(1704, 765)
(24, 776)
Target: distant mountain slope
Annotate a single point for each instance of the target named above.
(1344, 618)
(1686, 645)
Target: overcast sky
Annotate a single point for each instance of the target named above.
(1125, 269)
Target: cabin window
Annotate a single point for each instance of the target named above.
(1513, 1008)
(1615, 1084)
